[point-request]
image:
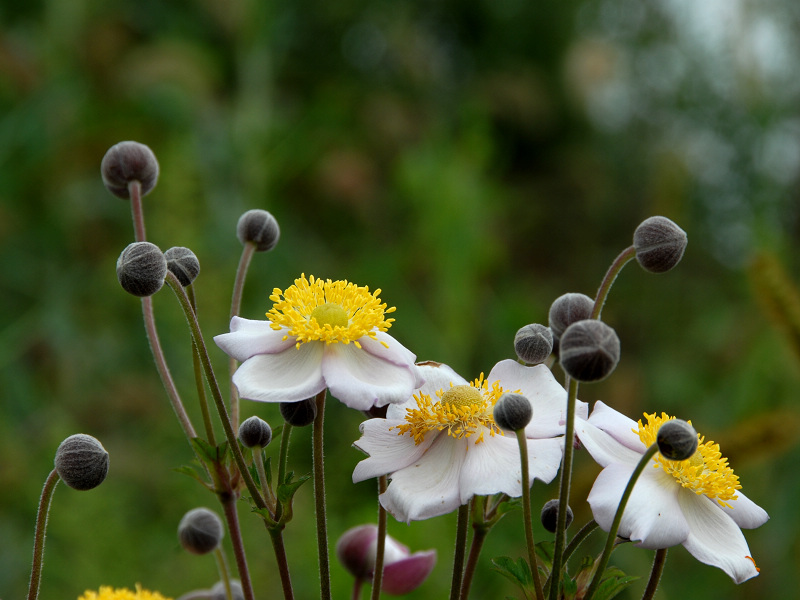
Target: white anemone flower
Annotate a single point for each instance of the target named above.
(321, 334)
(695, 502)
(442, 446)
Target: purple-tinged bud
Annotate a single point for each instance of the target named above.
(659, 244)
(550, 515)
(533, 343)
(299, 414)
(125, 163)
(589, 350)
(260, 228)
(141, 269)
(81, 462)
(568, 309)
(255, 432)
(182, 263)
(677, 440)
(200, 531)
(512, 412)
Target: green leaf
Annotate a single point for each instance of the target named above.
(191, 472)
(517, 571)
(287, 490)
(544, 552)
(613, 585)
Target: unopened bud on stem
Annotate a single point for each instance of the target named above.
(299, 414)
(549, 515)
(127, 162)
(255, 432)
(589, 350)
(182, 263)
(260, 228)
(81, 462)
(677, 440)
(568, 309)
(533, 343)
(200, 531)
(512, 412)
(659, 244)
(141, 269)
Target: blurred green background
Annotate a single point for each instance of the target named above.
(475, 160)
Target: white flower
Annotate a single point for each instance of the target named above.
(442, 446)
(695, 502)
(321, 334)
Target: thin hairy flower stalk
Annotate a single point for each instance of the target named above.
(258, 458)
(283, 460)
(460, 551)
(602, 293)
(578, 539)
(137, 213)
(236, 307)
(655, 574)
(232, 518)
(224, 574)
(276, 537)
(39, 535)
(480, 531)
(319, 498)
(211, 379)
(358, 583)
(563, 495)
(612, 532)
(198, 378)
(377, 576)
(526, 511)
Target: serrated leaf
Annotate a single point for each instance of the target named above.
(508, 505)
(612, 586)
(191, 472)
(544, 552)
(204, 450)
(287, 490)
(517, 571)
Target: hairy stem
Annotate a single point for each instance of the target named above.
(41, 529)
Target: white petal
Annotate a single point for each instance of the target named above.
(248, 338)
(652, 516)
(714, 537)
(436, 378)
(603, 447)
(493, 466)
(290, 376)
(618, 425)
(361, 380)
(428, 487)
(388, 451)
(746, 513)
(396, 352)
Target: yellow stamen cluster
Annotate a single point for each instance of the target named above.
(706, 472)
(462, 410)
(328, 311)
(109, 593)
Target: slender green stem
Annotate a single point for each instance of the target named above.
(258, 458)
(232, 518)
(612, 532)
(460, 551)
(578, 539)
(377, 576)
(563, 496)
(236, 307)
(655, 574)
(198, 378)
(211, 379)
(480, 531)
(526, 511)
(608, 280)
(319, 498)
(276, 537)
(137, 213)
(283, 460)
(39, 535)
(224, 573)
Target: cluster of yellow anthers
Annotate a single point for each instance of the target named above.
(109, 593)
(462, 411)
(328, 311)
(706, 472)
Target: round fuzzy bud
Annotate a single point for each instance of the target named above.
(512, 412)
(141, 269)
(127, 162)
(589, 350)
(299, 414)
(568, 309)
(550, 515)
(659, 244)
(182, 263)
(81, 462)
(200, 531)
(533, 343)
(218, 591)
(260, 228)
(677, 440)
(255, 432)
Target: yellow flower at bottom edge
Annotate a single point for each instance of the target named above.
(109, 593)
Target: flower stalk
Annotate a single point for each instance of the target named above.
(377, 576)
(41, 528)
(460, 551)
(236, 306)
(526, 511)
(319, 498)
(659, 561)
(605, 286)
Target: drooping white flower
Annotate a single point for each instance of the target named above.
(442, 446)
(321, 334)
(695, 502)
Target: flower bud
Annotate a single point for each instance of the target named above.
(677, 440)
(255, 432)
(200, 531)
(659, 244)
(127, 162)
(589, 350)
(218, 591)
(299, 414)
(182, 263)
(550, 515)
(81, 462)
(259, 227)
(512, 412)
(533, 343)
(141, 269)
(568, 309)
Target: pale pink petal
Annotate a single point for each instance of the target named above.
(396, 352)
(436, 378)
(388, 451)
(652, 516)
(289, 376)
(428, 487)
(248, 338)
(361, 380)
(604, 448)
(404, 576)
(714, 537)
(618, 425)
(746, 513)
(493, 466)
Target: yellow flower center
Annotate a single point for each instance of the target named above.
(328, 311)
(463, 410)
(109, 593)
(705, 472)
